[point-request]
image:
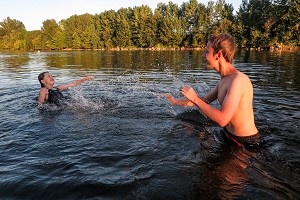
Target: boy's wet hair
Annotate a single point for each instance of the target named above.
(224, 43)
(41, 77)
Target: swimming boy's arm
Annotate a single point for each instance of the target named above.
(64, 87)
(42, 95)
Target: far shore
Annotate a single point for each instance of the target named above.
(278, 48)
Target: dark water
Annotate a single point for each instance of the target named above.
(119, 139)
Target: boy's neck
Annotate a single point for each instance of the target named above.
(227, 69)
(49, 86)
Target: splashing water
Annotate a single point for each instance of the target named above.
(78, 101)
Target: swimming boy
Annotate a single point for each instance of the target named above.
(49, 93)
(234, 92)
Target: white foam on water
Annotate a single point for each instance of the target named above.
(79, 101)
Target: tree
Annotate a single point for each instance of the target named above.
(220, 17)
(257, 23)
(58, 39)
(286, 26)
(255, 15)
(169, 25)
(53, 36)
(80, 31)
(195, 23)
(107, 31)
(143, 27)
(12, 34)
(294, 13)
(123, 28)
(34, 40)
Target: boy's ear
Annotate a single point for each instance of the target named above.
(219, 54)
(42, 81)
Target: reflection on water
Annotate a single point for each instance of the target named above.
(277, 67)
(117, 138)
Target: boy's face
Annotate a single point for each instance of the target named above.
(209, 56)
(48, 79)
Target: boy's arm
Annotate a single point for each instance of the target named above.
(42, 95)
(228, 107)
(64, 87)
(178, 102)
(210, 97)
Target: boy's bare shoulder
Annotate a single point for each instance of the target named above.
(241, 77)
(43, 91)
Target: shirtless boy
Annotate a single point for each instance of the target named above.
(234, 92)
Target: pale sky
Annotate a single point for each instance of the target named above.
(33, 12)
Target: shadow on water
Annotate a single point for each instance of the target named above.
(234, 172)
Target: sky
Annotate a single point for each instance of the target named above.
(33, 12)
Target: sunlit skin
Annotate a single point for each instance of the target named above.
(234, 92)
(48, 82)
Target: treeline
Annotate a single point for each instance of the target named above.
(257, 23)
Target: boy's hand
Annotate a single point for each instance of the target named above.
(89, 77)
(168, 97)
(189, 93)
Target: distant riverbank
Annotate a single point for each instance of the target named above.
(265, 48)
(269, 48)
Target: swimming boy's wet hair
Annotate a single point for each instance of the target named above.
(225, 44)
(41, 77)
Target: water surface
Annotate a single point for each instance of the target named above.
(119, 139)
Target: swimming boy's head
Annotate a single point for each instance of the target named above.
(225, 44)
(41, 77)
(45, 78)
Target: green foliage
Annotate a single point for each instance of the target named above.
(123, 28)
(195, 23)
(12, 34)
(107, 29)
(143, 27)
(79, 32)
(53, 36)
(267, 22)
(34, 40)
(258, 23)
(170, 29)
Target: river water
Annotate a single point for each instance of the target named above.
(117, 138)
